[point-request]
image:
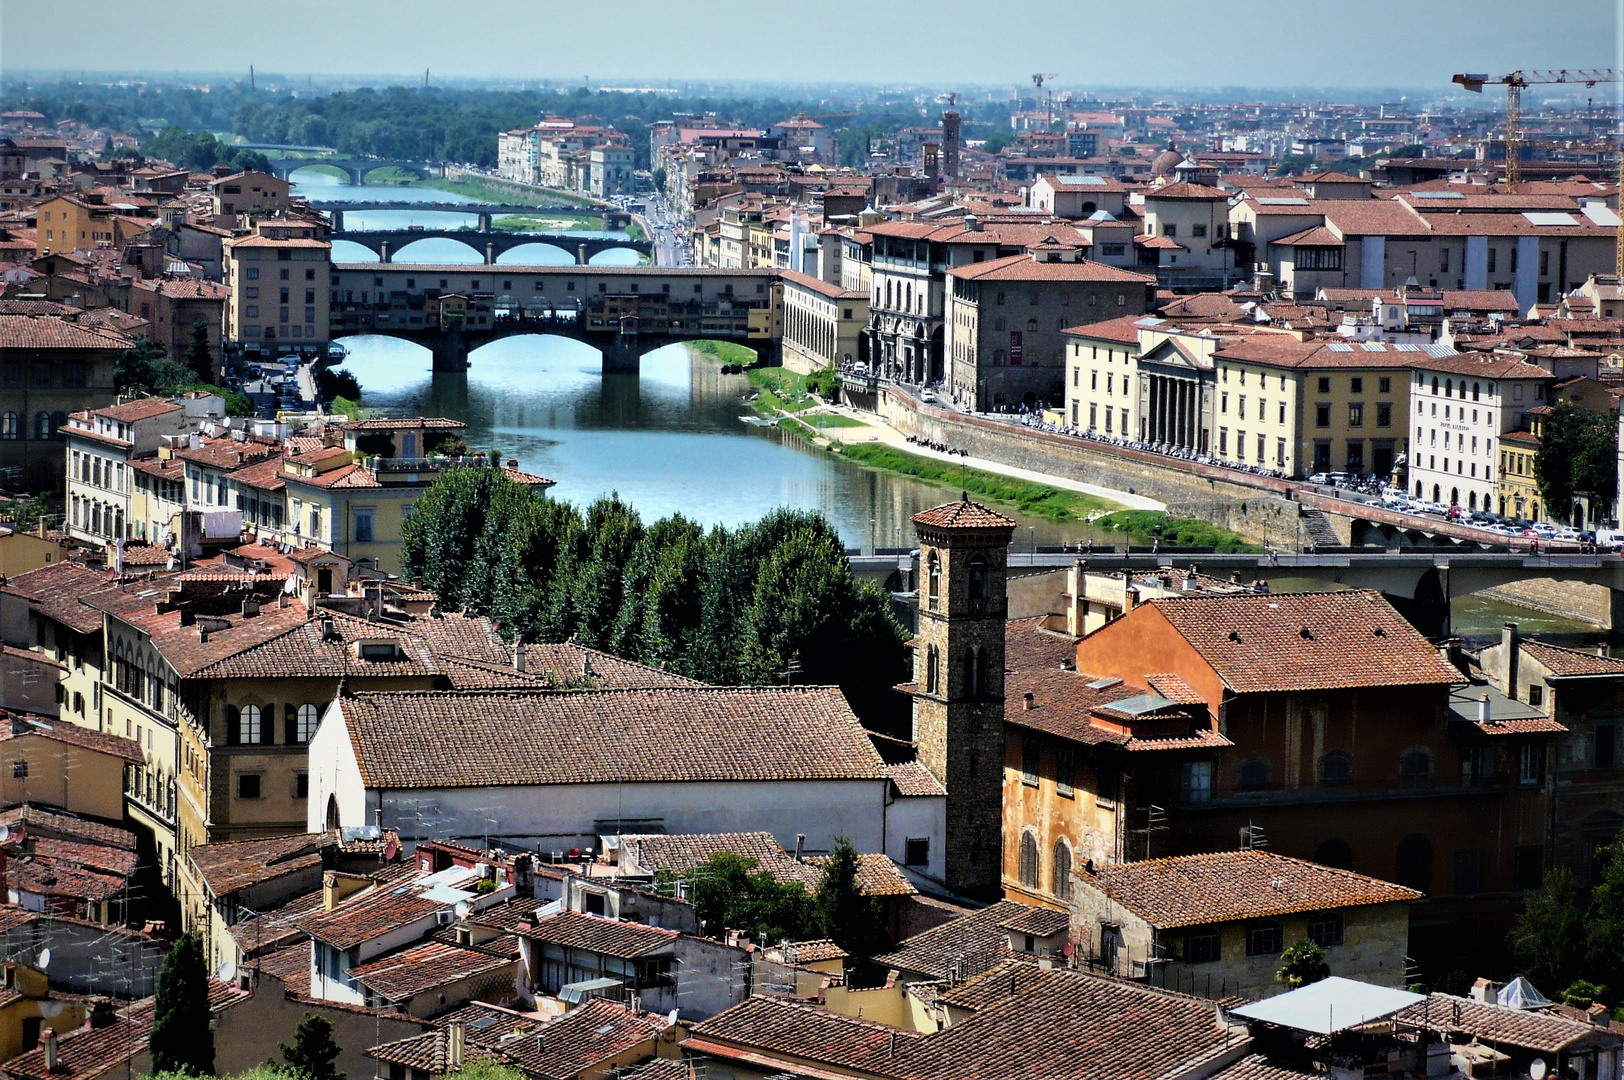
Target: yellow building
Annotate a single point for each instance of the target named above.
(64, 765)
(74, 223)
(823, 323)
(1518, 491)
(27, 1009)
(21, 552)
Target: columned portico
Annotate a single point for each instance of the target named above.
(1174, 413)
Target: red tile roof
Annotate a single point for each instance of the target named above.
(46, 332)
(963, 514)
(139, 409)
(227, 866)
(592, 933)
(1026, 268)
(1569, 663)
(912, 779)
(1498, 1025)
(979, 936)
(1226, 886)
(416, 969)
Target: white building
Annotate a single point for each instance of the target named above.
(1460, 406)
(102, 444)
(552, 771)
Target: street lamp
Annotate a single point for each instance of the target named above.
(1032, 532)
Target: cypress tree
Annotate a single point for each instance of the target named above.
(181, 1039)
(314, 1054)
(198, 358)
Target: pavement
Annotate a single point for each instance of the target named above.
(874, 431)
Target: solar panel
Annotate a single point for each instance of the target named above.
(1546, 217)
(1406, 348)
(1438, 350)
(1601, 215)
(1282, 201)
(1374, 346)
(1436, 195)
(1339, 347)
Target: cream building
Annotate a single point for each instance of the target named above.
(278, 278)
(823, 323)
(1461, 404)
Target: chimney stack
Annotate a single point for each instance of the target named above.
(518, 655)
(1511, 645)
(1483, 709)
(455, 1040)
(800, 845)
(52, 1062)
(1026, 702)
(524, 879)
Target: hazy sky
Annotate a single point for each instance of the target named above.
(1164, 43)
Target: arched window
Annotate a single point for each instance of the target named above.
(248, 725)
(935, 584)
(332, 812)
(1336, 767)
(309, 717)
(998, 358)
(972, 673)
(1254, 773)
(1475, 388)
(8, 425)
(1029, 860)
(1435, 384)
(1415, 764)
(1449, 388)
(42, 425)
(59, 420)
(1412, 864)
(1334, 853)
(1062, 870)
(978, 578)
(933, 664)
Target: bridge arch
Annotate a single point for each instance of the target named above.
(433, 249)
(536, 253)
(617, 256)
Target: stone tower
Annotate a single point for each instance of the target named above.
(958, 690)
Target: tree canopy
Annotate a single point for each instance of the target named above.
(727, 606)
(1569, 939)
(182, 1040)
(314, 1054)
(1578, 451)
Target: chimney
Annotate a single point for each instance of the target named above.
(455, 1038)
(52, 1063)
(1483, 709)
(800, 845)
(1026, 702)
(329, 891)
(250, 607)
(518, 655)
(1511, 645)
(524, 878)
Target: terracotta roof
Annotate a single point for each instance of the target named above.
(277, 929)
(55, 590)
(677, 854)
(818, 285)
(912, 778)
(1123, 331)
(1315, 236)
(43, 821)
(660, 735)
(980, 934)
(46, 332)
(608, 672)
(1571, 662)
(1038, 921)
(140, 409)
(227, 866)
(1225, 886)
(417, 968)
(559, 1049)
(1042, 662)
(811, 952)
(1186, 191)
(290, 964)
(1264, 1067)
(307, 650)
(877, 875)
(1026, 268)
(963, 514)
(400, 423)
(592, 933)
(1481, 365)
(1497, 1024)
(1260, 643)
(388, 906)
(72, 734)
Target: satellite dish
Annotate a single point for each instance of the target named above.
(5, 833)
(671, 1017)
(227, 972)
(44, 960)
(1537, 1069)
(462, 909)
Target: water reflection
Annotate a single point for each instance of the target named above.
(669, 440)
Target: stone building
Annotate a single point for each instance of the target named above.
(49, 367)
(958, 687)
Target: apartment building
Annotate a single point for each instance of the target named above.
(1461, 405)
(279, 293)
(823, 323)
(1186, 237)
(249, 192)
(84, 222)
(1007, 321)
(102, 445)
(172, 306)
(50, 366)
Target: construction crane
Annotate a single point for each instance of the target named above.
(1037, 81)
(1515, 83)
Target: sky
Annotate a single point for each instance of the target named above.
(1152, 43)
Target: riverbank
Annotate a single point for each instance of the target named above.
(487, 189)
(553, 222)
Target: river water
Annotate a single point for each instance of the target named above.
(309, 184)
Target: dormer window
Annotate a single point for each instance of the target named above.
(381, 652)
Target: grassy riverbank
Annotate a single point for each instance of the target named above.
(549, 223)
(724, 352)
(1148, 526)
(500, 191)
(1034, 500)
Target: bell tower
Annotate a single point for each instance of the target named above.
(958, 688)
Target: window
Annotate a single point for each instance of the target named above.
(1336, 767)
(1202, 945)
(1324, 385)
(1029, 861)
(1356, 415)
(19, 770)
(1061, 872)
(935, 582)
(1384, 385)
(1413, 862)
(1065, 771)
(1325, 930)
(301, 785)
(1536, 694)
(1606, 746)
(248, 786)
(1170, 229)
(1197, 782)
(309, 716)
(1031, 751)
(916, 851)
(363, 526)
(248, 725)
(977, 583)
(1415, 764)
(1384, 415)
(1263, 939)
(1254, 773)
(1322, 415)
(1530, 763)
(1469, 872)
(1335, 853)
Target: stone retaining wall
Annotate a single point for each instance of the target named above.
(1566, 599)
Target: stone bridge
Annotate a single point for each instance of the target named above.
(387, 243)
(613, 218)
(623, 312)
(1421, 583)
(355, 168)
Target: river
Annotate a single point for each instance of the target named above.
(309, 184)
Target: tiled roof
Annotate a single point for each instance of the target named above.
(1571, 662)
(559, 1049)
(73, 735)
(591, 933)
(277, 929)
(681, 852)
(1496, 1024)
(228, 866)
(1224, 886)
(388, 906)
(1026, 268)
(413, 423)
(1481, 365)
(1186, 191)
(1038, 921)
(665, 734)
(661, 1069)
(1042, 662)
(46, 332)
(912, 778)
(54, 591)
(1305, 641)
(42, 821)
(417, 968)
(963, 514)
(811, 952)
(139, 409)
(303, 650)
(607, 672)
(877, 875)
(1264, 1067)
(290, 964)
(978, 935)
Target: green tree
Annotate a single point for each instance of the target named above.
(198, 358)
(729, 893)
(146, 367)
(1578, 451)
(314, 1054)
(664, 551)
(438, 539)
(182, 1040)
(484, 1069)
(593, 589)
(1302, 964)
(1548, 937)
(338, 383)
(1605, 938)
(537, 533)
(844, 915)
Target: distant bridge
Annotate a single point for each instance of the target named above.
(623, 312)
(335, 208)
(1423, 582)
(355, 168)
(385, 244)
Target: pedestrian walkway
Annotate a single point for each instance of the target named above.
(875, 430)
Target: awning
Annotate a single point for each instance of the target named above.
(1328, 1006)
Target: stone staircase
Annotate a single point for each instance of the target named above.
(1319, 530)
